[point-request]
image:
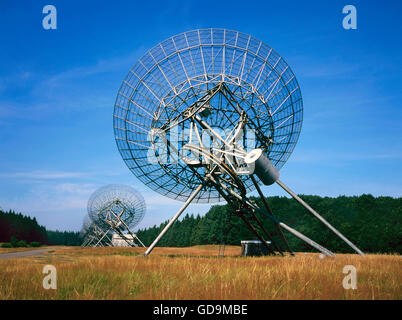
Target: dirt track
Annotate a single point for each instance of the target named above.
(21, 254)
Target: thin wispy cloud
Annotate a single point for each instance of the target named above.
(331, 157)
(115, 64)
(59, 175)
(48, 94)
(75, 188)
(324, 67)
(44, 175)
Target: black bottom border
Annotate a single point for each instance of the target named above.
(199, 309)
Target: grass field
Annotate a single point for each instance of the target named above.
(197, 273)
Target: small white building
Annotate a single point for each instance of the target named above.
(118, 241)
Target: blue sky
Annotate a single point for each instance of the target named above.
(57, 92)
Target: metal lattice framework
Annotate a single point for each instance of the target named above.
(124, 201)
(95, 233)
(234, 73)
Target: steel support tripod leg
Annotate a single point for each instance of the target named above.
(263, 242)
(340, 235)
(177, 215)
(264, 201)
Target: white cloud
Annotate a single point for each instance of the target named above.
(47, 94)
(75, 188)
(102, 66)
(308, 157)
(45, 175)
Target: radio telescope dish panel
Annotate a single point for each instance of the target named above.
(186, 68)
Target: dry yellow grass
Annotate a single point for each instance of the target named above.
(196, 273)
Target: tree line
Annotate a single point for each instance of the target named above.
(15, 226)
(374, 224)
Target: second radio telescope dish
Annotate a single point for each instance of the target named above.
(223, 77)
(123, 201)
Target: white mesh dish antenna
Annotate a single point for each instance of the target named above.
(182, 70)
(210, 115)
(117, 208)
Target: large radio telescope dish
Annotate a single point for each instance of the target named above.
(116, 201)
(241, 72)
(209, 115)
